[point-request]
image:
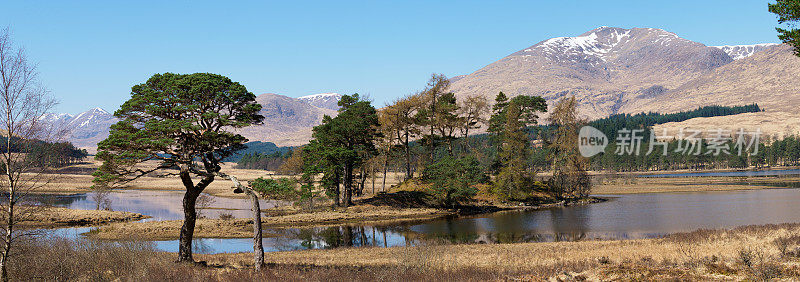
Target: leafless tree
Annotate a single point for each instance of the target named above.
(23, 102)
(258, 248)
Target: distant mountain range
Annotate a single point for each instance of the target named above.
(288, 121)
(86, 129)
(609, 70)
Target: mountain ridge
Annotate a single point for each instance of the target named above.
(288, 121)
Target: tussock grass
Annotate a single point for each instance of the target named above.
(744, 253)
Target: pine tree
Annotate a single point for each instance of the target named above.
(180, 121)
(788, 11)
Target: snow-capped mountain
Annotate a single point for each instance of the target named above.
(607, 69)
(288, 121)
(743, 51)
(84, 130)
(323, 100)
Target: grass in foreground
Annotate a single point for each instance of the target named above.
(744, 253)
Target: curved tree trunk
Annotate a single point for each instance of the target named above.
(187, 230)
(258, 247)
(190, 212)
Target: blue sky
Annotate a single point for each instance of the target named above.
(90, 53)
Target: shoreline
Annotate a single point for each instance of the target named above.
(358, 215)
(57, 217)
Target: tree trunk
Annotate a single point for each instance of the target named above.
(7, 240)
(338, 192)
(385, 171)
(408, 159)
(258, 248)
(348, 185)
(187, 230)
(450, 146)
(372, 174)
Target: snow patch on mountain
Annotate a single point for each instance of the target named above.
(323, 100)
(743, 51)
(591, 47)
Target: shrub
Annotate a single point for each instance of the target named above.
(281, 189)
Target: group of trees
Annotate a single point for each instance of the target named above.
(610, 125)
(55, 154)
(266, 161)
(431, 129)
(431, 118)
(341, 145)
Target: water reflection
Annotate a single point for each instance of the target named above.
(623, 217)
(159, 205)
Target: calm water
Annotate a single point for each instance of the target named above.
(623, 217)
(729, 173)
(160, 205)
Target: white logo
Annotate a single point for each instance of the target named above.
(591, 141)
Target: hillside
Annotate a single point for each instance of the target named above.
(613, 70)
(287, 121)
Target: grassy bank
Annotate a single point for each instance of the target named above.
(50, 217)
(242, 228)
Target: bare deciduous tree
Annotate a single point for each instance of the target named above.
(23, 102)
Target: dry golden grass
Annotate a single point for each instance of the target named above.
(242, 228)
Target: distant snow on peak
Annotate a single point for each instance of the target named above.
(743, 51)
(323, 100)
(592, 46)
(99, 110)
(319, 96)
